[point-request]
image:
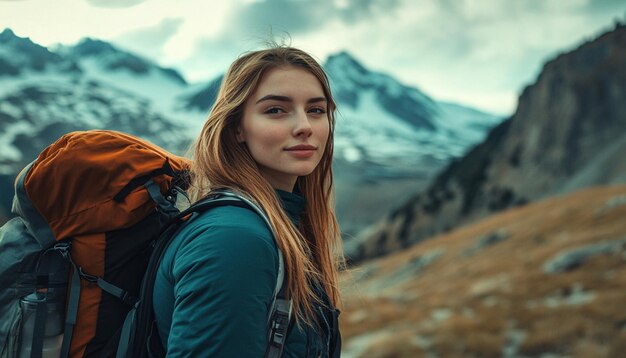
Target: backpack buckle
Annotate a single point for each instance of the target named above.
(280, 322)
(63, 248)
(86, 276)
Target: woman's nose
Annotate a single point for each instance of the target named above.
(302, 126)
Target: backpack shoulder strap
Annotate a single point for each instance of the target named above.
(227, 194)
(280, 312)
(133, 339)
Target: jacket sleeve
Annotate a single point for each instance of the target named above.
(224, 280)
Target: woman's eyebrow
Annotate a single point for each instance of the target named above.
(317, 99)
(273, 97)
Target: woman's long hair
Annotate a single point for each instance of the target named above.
(312, 252)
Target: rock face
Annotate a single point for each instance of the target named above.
(568, 132)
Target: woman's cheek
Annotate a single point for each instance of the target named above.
(323, 130)
(275, 135)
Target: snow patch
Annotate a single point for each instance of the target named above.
(8, 150)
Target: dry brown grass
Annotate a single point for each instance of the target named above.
(471, 305)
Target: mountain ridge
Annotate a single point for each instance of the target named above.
(27, 55)
(120, 59)
(112, 88)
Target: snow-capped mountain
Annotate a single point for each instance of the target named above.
(384, 129)
(45, 94)
(385, 122)
(19, 56)
(117, 68)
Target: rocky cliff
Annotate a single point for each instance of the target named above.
(569, 132)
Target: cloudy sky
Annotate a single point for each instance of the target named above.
(475, 52)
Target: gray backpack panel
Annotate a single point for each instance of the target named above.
(20, 257)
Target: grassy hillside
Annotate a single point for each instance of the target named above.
(546, 278)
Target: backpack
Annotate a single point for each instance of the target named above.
(96, 210)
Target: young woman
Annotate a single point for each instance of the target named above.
(269, 136)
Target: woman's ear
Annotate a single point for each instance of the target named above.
(239, 135)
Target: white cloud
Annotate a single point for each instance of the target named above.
(114, 3)
(150, 41)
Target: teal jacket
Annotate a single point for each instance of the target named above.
(215, 284)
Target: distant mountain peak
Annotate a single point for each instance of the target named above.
(22, 54)
(9, 37)
(343, 59)
(90, 47)
(114, 58)
(7, 34)
(351, 80)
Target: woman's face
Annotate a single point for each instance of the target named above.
(285, 125)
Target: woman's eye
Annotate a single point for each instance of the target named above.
(317, 110)
(274, 110)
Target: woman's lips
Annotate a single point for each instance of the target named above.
(302, 150)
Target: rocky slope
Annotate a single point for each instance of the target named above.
(545, 279)
(568, 132)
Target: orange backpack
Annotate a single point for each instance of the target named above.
(97, 199)
(96, 211)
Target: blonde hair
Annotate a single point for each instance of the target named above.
(312, 252)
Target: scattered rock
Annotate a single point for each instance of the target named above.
(571, 297)
(490, 284)
(616, 201)
(418, 263)
(404, 297)
(409, 271)
(490, 301)
(485, 241)
(468, 312)
(514, 338)
(357, 346)
(441, 314)
(422, 342)
(611, 204)
(358, 316)
(571, 259)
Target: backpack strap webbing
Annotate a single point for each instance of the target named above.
(72, 303)
(39, 331)
(41, 310)
(142, 180)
